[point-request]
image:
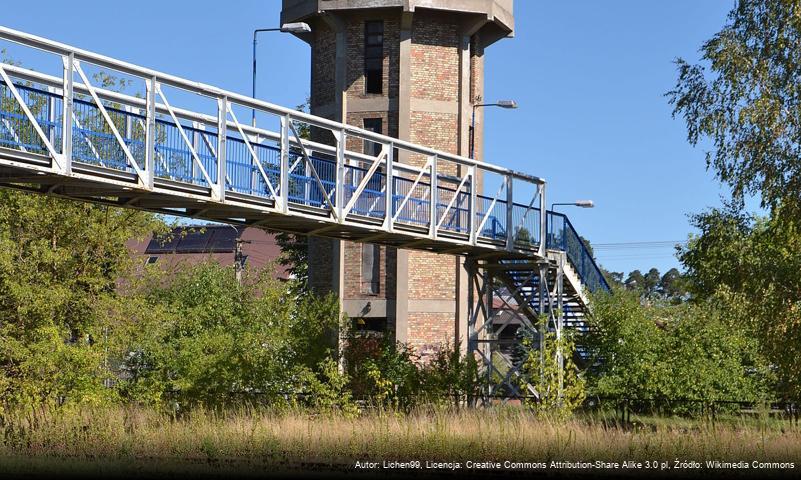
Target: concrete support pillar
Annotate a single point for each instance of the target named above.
(404, 131)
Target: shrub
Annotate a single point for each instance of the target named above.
(560, 390)
(202, 338)
(677, 352)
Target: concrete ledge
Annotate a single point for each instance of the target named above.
(499, 12)
(434, 106)
(432, 306)
(367, 308)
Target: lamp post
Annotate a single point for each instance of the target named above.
(577, 203)
(560, 357)
(509, 104)
(298, 27)
(239, 264)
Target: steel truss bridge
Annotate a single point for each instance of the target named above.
(61, 135)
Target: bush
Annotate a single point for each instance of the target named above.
(684, 352)
(202, 338)
(389, 374)
(560, 390)
(450, 377)
(59, 263)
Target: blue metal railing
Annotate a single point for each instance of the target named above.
(562, 236)
(94, 143)
(15, 129)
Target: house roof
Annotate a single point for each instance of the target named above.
(197, 239)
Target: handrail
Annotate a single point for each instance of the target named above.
(568, 230)
(584, 253)
(249, 102)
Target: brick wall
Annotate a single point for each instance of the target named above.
(321, 264)
(434, 58)
(355, 49)
(355, 287)
(477, 90)
(323, 69)
(429, 332)
(435, 72)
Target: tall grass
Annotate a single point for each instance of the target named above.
(252, 439)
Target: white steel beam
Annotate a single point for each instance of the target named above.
(57, 157)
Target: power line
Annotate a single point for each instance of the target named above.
(639, 245)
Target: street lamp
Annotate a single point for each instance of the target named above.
(510, 104)
(578, 203)
(297, 27)
(239, 264)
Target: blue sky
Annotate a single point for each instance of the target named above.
(589, 76)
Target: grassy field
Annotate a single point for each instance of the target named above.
(253, 441)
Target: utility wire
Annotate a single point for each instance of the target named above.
(638, 245)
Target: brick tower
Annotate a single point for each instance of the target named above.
(410, 69)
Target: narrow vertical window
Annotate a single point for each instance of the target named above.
(374, 125)
(371, 262)
(373, 56)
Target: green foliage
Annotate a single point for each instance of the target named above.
(450, 377)
(44, 368)
(201, 337)
(295, 258)
(390, 375)
(327, 390)
(747, 103)
(561, 389)
(749, 266)
(58, 260)
(635, 281)
(672, 287)
(689, 352)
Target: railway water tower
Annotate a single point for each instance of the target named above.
(410, 69)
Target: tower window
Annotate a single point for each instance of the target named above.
(371, 263)
(373, 56)
(374, 125)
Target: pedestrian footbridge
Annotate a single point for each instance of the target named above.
(178, 147)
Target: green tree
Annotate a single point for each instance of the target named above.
(746, 103)
(635, 281)
(615, 279)
(295, 257)
(199, 336)
(560, 388)
(684, 352)
(750, 265)
(588, 245)
(673, 285)
(652, 279)
(58, 258)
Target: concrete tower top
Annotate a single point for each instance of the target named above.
(496, 12)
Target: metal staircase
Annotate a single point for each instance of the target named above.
(513, 296)
(60, 135)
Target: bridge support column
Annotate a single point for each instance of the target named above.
(512, 305)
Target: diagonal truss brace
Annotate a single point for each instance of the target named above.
(381, 158)
(142, 178)
(279, 200)
(416, 182)
(195, 157)
(546, 295)
(313, 170)
(58, 158)
(467, 176)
